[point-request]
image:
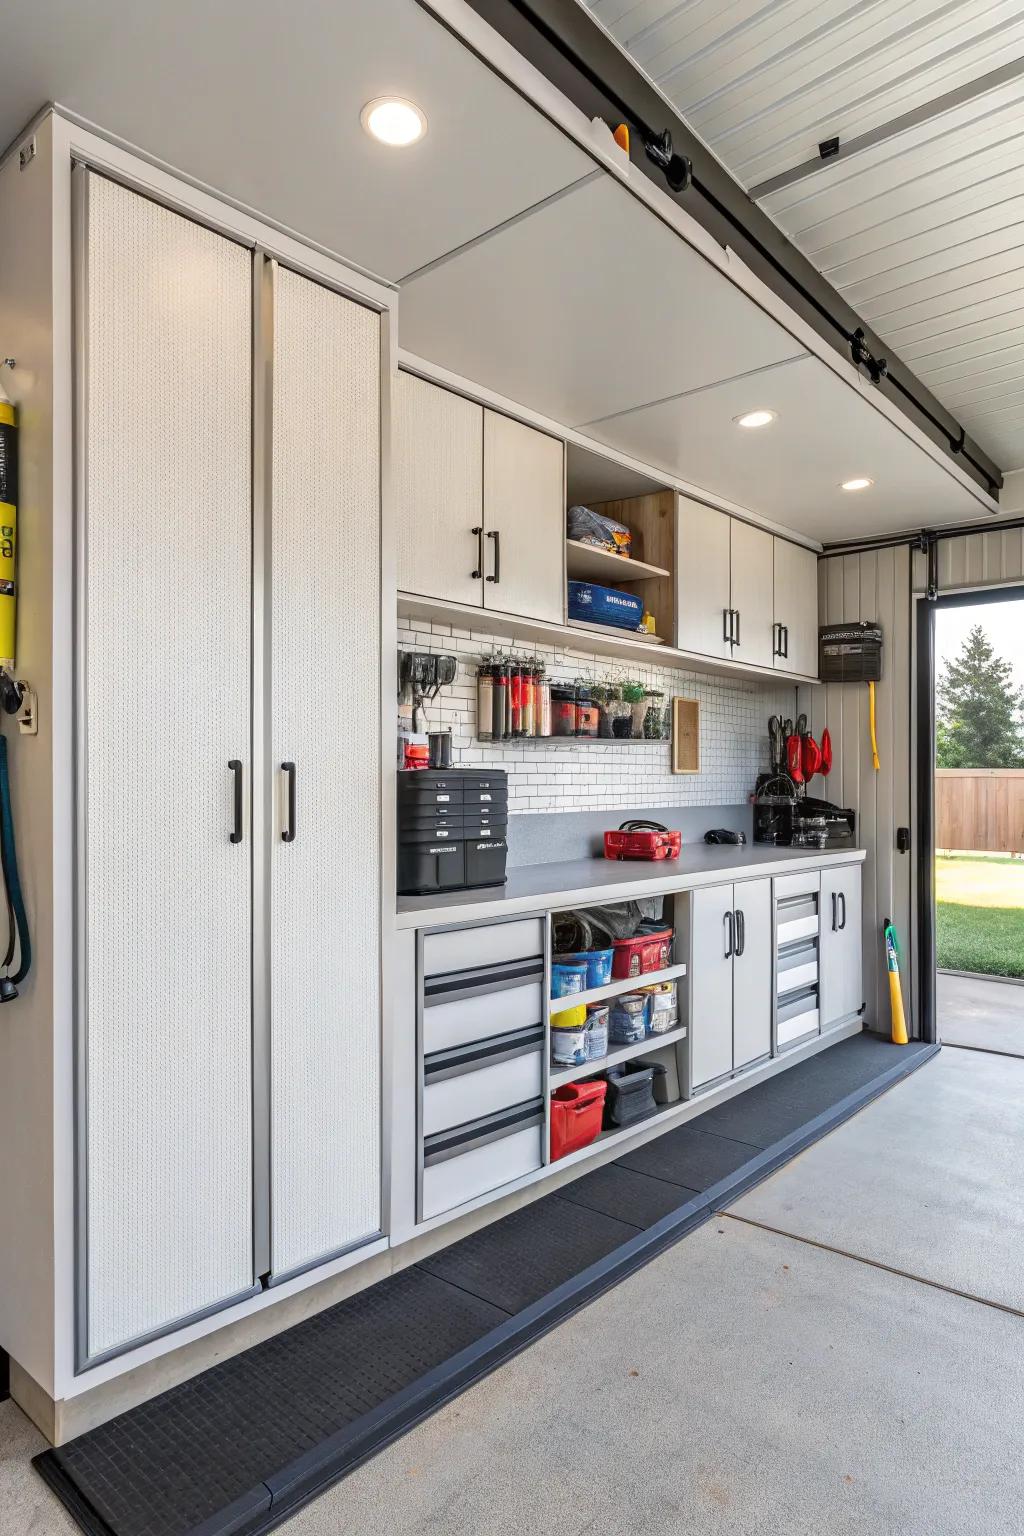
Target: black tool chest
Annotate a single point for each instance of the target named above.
(452, 828)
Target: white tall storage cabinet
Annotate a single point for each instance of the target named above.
(165, 563)
(228, 1018)
(324, 643)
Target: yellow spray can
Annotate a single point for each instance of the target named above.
(8, 530)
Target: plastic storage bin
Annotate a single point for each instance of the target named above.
(569, 1037)
(604, 605)
(630, 1094)
(576, 1116)
(597, 961)
(642, 954)
(568, 975)
(627, 1019)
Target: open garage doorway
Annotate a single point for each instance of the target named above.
(979, 820)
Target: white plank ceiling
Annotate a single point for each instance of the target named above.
(922, 231)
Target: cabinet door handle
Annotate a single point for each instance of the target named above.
(727, 625)
(835, 925)
(478, 574)
(776, 639)
(288, 832)
(785, 640)
(741, 932)
(496, 536)
(736, 635)
(842, 898)
(730, 942)
(235, 836)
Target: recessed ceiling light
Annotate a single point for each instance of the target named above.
(755, 419)
(858, 483)
(393, 121)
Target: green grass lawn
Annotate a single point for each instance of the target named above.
(980, 914)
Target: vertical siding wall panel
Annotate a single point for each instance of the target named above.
(873, 585)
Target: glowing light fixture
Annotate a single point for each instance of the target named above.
(756, 419)
(858, 483)
(393, 121)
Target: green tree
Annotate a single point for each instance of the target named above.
(979, 717)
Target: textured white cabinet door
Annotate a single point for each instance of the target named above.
(752, 584)
(325, 1026)
(842, 989)
(524, 520)
(166, 550)
(711, 985)
(437, 465)
(752, 972)
(702, 578)
(796, 606)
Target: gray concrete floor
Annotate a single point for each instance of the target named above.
(985, 1015)
(750, 1381)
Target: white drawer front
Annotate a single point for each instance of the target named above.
(452, 1183)
(491, 944)
(798, 976)
(788, 930)
(797, 885)
(446, 1025)
(456, 1100)
(801, 1024)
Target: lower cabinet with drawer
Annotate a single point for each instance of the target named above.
(481, 1061)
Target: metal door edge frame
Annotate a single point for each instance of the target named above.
(261, 771)
(79, 436)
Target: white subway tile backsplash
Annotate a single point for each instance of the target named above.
(560, 775)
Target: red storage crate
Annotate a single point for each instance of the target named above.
(576, 1114)
(647, 952)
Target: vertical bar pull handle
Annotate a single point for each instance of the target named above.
(235, 766)
(288, 832)
(835, 905)
(496, 536)
(842, 898)
(730, 943)
(736, 636)
(478, 574)
(741, 932)
(727, 625)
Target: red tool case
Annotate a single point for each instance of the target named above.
(642, 840)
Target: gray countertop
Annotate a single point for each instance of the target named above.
(541, 887)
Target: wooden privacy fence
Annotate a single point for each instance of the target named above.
(980, 810)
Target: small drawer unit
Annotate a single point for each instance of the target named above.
(452, 826)
(797, 901)
(481, 1061)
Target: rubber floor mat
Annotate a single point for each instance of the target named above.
(628, 1196)
(240, 1448)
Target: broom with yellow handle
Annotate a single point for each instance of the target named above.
(892, 960)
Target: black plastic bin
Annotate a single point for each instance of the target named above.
(634, 1091)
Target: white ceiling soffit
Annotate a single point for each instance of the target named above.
(585, 307)
(922, 232)
(251, 99)
(791, 471)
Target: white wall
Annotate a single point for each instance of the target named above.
(875, 585)
(27, 1072)
(568, 777)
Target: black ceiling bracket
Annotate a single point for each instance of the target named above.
(677, 168)
(877, 367)
(828, 148)
(956, 444)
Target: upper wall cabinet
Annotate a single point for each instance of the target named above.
(795, 641)
(479, 505)
(745, 594)
(438, 463)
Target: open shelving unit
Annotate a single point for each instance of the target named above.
(613, 988)
(585, 562)
(561, 1075)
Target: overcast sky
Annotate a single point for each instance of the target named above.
(1002, 622)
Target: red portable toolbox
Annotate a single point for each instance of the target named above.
(576, 1114)
(647, 952)
(642, 840)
